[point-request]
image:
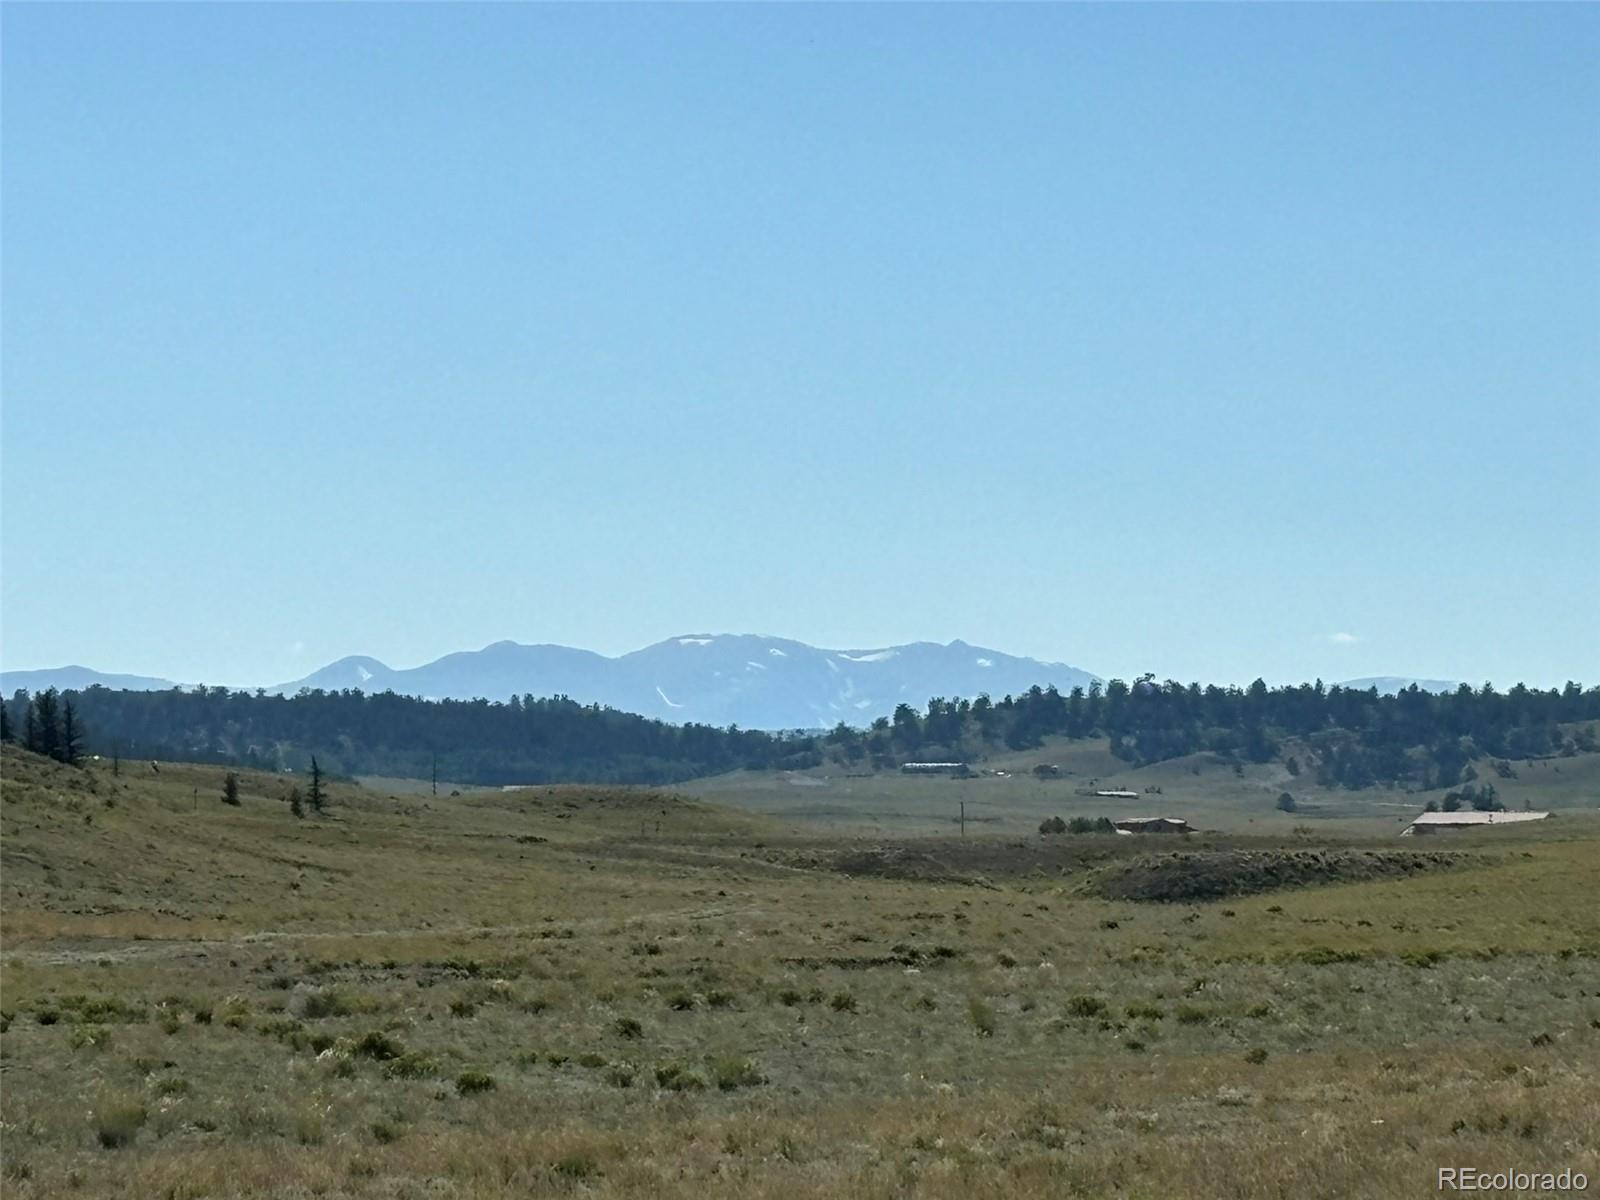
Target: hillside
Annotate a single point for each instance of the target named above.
(625, 992)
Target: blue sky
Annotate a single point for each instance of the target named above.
(1215, 341)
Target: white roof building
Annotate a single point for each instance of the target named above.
(1433, 822)
(1131, 825)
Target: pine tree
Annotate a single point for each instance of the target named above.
(71, 734)
(5, 722)
(295, 806)
(30, 725)
(230, 789)
(316, 797)
(45, 709)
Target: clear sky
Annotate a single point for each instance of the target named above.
(1215, 341)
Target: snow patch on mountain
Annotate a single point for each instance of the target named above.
(721, 679)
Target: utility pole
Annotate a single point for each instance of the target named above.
(963, 818)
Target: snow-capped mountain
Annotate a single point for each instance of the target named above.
(715, 679)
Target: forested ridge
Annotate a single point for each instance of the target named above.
(1341, 737)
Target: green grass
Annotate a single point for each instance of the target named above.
(521, 994)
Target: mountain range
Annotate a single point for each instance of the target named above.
(715, 679)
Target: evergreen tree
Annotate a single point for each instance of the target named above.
(5, 722)
(230, 789)
(298, 809)
(46, 711)
(71, 734)
(30, 725)
(316, 797)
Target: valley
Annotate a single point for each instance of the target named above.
(631, 991)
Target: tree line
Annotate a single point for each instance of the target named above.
(1340, 736)
(49, 722)
(1345, 737)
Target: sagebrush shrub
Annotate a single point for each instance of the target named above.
(117, 1119)
(731, 1073)
(470, 1083)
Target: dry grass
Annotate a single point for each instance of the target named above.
(520, 994)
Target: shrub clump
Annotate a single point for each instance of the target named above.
(332, 1002)
(470, 1083)
(675, 1077)
(235, 1012)
(93, 1037)
(576, 1165)
(981, 1013)
(1323, 956)
(731, 1073)
(376, 1044)
(413, 1064)
(117, 1119)
(1086, 1006)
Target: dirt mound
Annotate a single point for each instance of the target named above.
(1188, 876)
(977, 861)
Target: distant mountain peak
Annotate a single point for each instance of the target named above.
(751, 680)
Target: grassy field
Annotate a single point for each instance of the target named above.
(770, 988)
(1208, 793)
